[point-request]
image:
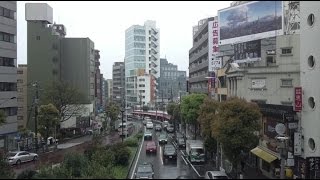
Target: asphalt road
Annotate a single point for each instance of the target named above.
(169, 170)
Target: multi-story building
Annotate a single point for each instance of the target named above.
(142, 57)
(307, 140)
(104, 93)
(171, 81)
(22, 88)
(98, 77)
(198, 58)
(78, 66)
(118, 80)
(262, 68)
(8, 75)
(109, 90)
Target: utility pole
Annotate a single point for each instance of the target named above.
(36, 101)
(162, 105)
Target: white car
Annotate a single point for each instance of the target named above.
(17, 157)
(149, 125)
(215, 175)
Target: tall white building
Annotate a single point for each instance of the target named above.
(309, 66)
(142, 58)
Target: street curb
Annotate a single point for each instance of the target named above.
(134, 158)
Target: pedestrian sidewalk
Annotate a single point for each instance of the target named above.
(252, 173)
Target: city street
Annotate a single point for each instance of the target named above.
(169, 170)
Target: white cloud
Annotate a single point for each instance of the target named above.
(105, 24)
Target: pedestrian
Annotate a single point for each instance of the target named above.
(241, 175)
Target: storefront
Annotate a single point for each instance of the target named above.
(268, 150)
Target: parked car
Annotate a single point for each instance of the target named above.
(181, 143)
(18, 157)
(169, 152)
(216, 175)
(147, 135)
(158, 127)
(149, 125)
(151, 147)
(144, 171)
(170, 128)
(163, 138)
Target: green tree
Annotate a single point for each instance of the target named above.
(48, 119)
(6, 171)
(170, 108)
(235, 126)
(76, 163)
(190, 106)
(2, 117)
(67, 99)
(112, 112)
(207, 116)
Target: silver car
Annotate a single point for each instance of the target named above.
(17, 157)
(215, 175)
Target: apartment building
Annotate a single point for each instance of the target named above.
(118, 80)
(22, 88)
(8, 75)
(198, 58)
(142, 57)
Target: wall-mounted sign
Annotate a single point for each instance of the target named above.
(297, 99)
(213, 45)
(258, 83)
(297, 144)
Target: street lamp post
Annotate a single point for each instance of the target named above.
(283, 154)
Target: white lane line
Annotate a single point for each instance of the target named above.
(184, 160)
(194, 169)
(135, 166)
(161, 159)
(182, 153)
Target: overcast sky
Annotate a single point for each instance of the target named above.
(105, 24)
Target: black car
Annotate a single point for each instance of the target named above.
(181, 142)
(169, 152)
(144, 171)
(147, 135)
(163, 138)
(170, 129)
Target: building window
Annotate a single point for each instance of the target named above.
(7, 37)
(286, 82)
(141, 85)
(265, 166)
(10, 111)
(7, 13)
(4, 61)
(141, 79)
(286, 51)
(19, 81)
(286, 103)
(259, 101)
(6, 86)
(38, 38)
(271, 60)
(19, 72)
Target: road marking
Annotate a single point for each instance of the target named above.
(161, 159)
(182, 153)
(135, 166)
(194, 169)
(184, 160)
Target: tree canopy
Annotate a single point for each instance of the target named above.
(2, 117)
(190, 106)
(48, 119)
(235, 126)
(207, 115)
(66, 98)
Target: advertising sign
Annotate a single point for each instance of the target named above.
(213, 45)
(247, 51)
(297, 99)
(250, 21)
(258, 83)
(297, 144)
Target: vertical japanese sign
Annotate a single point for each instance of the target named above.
(297, 99)
(213, 45)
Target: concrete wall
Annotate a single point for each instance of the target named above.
(309, 43)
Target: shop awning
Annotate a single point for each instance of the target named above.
(263, 154)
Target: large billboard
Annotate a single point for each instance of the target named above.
(247, 51)
(250, 21)
(213, 45)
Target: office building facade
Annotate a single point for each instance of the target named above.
(118, 80)
(8, 75)
(22, 88)
(142, 57)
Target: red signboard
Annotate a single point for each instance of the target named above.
(297, 99)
